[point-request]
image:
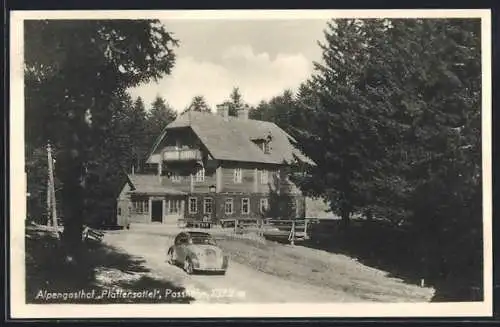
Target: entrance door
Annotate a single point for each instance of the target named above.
(157, 211)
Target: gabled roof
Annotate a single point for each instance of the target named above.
(231, 138)
(142, 184)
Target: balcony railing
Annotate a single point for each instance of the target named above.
(181, 155)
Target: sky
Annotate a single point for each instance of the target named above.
(260, 57)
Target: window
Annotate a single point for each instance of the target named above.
(200, 175)
(207, 205)
(119, 211)
(176, 178)
(141, 206)
(238, 174)
(267, 147)
(264, 205)
(193, 205)
(264, 177)
(245, 206)
(228, 207)
(174, 206)
(205, 239)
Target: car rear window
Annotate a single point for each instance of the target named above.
(203, 240)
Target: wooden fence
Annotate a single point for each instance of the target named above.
(292, 230)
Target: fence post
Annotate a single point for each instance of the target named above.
(292, 240)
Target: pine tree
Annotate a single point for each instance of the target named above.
(71, 75)
(279, 110)
(235, 102)
(198, 104)
(394, 127)
(160, 115)
(112, 157)
(344, 129)
(138, 133)
(442, 141)
(261, 112)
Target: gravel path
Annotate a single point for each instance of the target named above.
(244, 283)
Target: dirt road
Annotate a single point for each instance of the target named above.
(241, 283)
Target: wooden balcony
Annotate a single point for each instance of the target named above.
(181, 155)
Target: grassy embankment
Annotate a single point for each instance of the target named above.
(102, 268)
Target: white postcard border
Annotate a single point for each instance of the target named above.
(19, 308)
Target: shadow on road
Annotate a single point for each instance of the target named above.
(48, 273)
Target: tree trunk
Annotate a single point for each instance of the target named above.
(72, 203)
(345, 214)
(72, 175)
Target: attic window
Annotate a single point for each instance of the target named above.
(267, 147)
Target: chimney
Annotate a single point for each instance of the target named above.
(243, 111)
(223, 111)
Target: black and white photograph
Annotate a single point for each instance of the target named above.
(285, 163)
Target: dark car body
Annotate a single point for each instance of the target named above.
(197, 251)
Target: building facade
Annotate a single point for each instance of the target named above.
(213, 167)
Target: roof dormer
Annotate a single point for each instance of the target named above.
(268, 143)
(264, 143)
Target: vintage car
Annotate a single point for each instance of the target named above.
(197, 251)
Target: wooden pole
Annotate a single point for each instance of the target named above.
(53, 192)
(49, 202)
(51, 189)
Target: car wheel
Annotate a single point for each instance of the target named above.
(170, 257)
(188, 266)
